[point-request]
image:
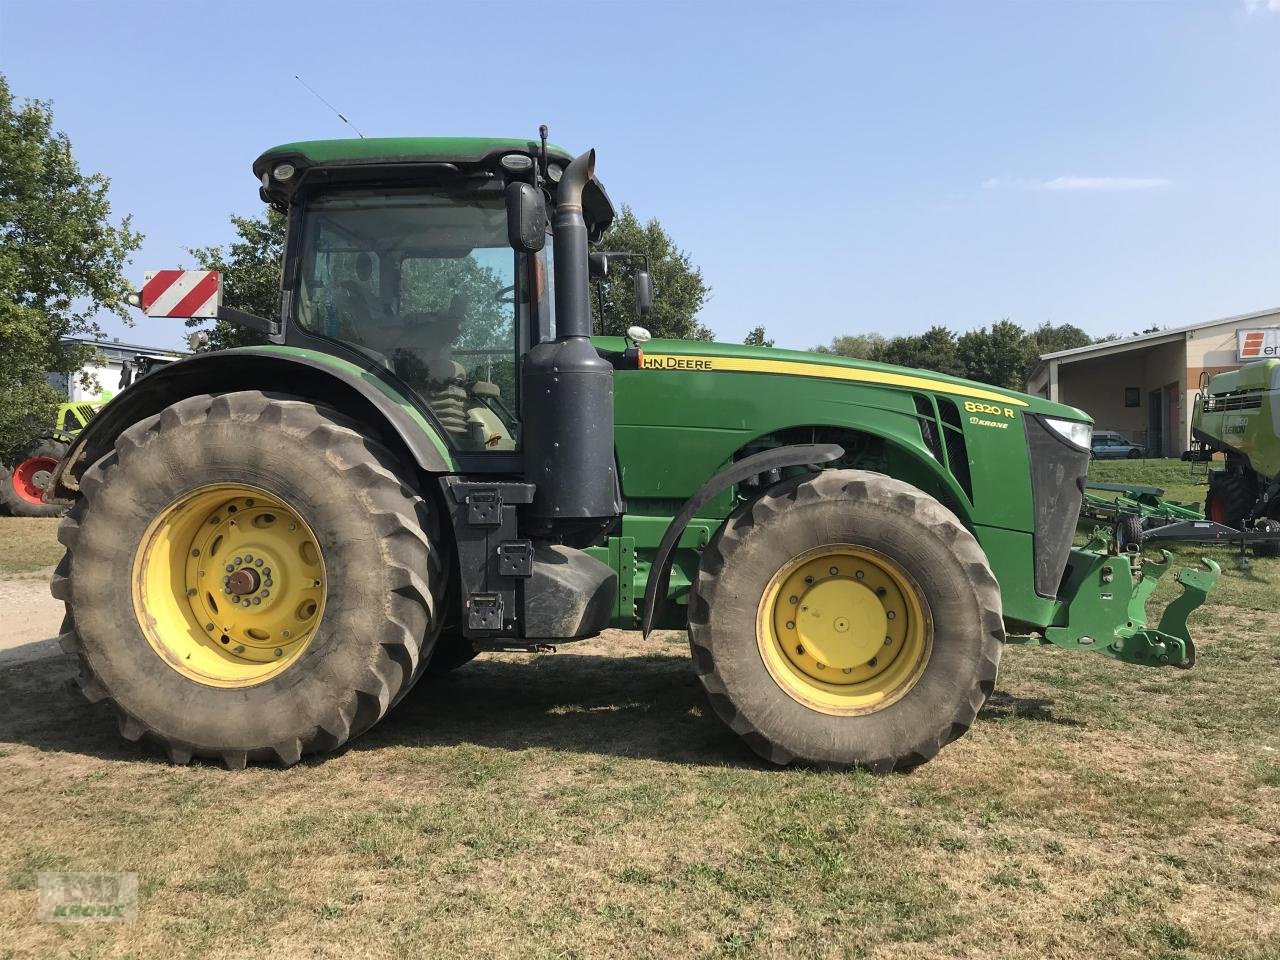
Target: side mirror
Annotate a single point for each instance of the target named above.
(598, 265)
(526, 218)
(644, 293)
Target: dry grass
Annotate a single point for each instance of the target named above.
(586, 805)
(28, 544)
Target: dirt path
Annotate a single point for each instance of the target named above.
(29, 619)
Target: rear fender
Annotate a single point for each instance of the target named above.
(359, 391)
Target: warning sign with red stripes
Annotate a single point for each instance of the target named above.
(1258, 344)
(181, 293)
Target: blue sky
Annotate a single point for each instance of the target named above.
(832, 167)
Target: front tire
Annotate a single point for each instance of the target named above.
(846, 618)
(249, 577)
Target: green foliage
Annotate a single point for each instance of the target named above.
(935, 349)
(998, 356)
(757, 338)
(250, 268)
(1048, 338)
(679, 290)
(61, 263)
(858, 346)
(1002, 354)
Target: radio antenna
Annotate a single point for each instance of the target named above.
(330, 106)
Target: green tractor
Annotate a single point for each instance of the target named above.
(24, 481)
(434, 457)
(1237, 414)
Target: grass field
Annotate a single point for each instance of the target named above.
(586, 804)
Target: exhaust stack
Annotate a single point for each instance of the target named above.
(567, 392)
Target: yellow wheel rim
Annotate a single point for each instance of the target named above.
(229, 585)
(844, 629)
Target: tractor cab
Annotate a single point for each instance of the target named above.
(400, 252)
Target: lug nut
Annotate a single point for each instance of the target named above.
(859, 574)
(238, 560)
(808, 579)
(258, 562)
(248, 558)
(834, 571)
(256, 601)
(791, 624)
(888, 640)
(871, 662)
(195, 553)
(847, 670)
(267, 582)
(239, 649)
(286, 633)
(795, 599)
(230, 567)
(266, 571)
(191, 591)
(279, 652)
(822, 666)
(266, 593)
(891, 615)
(248, 503)
(209, 627)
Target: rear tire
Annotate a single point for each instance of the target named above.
(883, 538)
(379, 579)
(1134, 454)
(23, 483)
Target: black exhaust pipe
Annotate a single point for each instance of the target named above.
(569, 233)
(567, 392)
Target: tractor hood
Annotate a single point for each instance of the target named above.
(695, 355)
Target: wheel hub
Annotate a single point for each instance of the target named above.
(31, 477)
(844, 629)
(244, 602)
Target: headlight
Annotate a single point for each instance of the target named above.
(283, 171)
(1073, 431)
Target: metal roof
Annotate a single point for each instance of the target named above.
(1151, 339)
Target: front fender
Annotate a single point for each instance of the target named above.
(799, 455)
(364, 392)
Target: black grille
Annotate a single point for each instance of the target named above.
(957, 449)
(1058, 471)
(928, 425)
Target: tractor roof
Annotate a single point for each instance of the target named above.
(389, 158)
(403, 150)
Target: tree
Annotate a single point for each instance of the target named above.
(1048, 338)
(756, 338)
(250, 268)
(999, 356)
(680, 291)
(935, 349)
(858, 346)
(62, 262)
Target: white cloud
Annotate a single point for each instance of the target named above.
(1079, 183)
(1253, 6)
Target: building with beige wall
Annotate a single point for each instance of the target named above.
(1144, 387)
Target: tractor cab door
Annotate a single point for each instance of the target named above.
(425, 286)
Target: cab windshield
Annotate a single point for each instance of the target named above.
(424, 284)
